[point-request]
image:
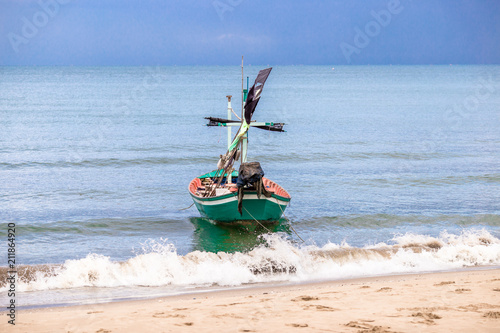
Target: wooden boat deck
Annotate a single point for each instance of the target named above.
(198, 188)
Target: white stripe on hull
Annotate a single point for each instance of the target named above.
(235, 198)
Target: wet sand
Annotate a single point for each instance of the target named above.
(465, 301)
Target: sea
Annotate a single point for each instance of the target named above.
(391, 170)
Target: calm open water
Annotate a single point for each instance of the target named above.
(95, 164)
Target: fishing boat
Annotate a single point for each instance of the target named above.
(229, 195)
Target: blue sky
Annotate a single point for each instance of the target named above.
(219, 32)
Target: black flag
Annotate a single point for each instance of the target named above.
(254, 93)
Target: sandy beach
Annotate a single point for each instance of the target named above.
(465, 301)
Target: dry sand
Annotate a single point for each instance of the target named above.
(466, 301)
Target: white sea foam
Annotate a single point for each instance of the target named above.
(277, 260)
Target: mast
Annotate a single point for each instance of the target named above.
(229, 136)
(227, 160)
(242, 96)
(250, 103)
(244, 141)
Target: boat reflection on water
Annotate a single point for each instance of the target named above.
(235, 237)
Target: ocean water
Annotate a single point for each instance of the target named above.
(391, 169)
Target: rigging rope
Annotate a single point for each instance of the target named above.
(187, 207)
(257, 220)
(235, 114)
(289, 223)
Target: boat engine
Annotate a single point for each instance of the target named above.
(250, 176)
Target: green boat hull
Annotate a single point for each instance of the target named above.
(225, 208)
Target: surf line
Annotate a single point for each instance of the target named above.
(12, 272)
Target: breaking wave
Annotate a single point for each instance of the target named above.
(276, 260)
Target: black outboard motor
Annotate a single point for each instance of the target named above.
(250, 174)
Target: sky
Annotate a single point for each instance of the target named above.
(219, 32)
